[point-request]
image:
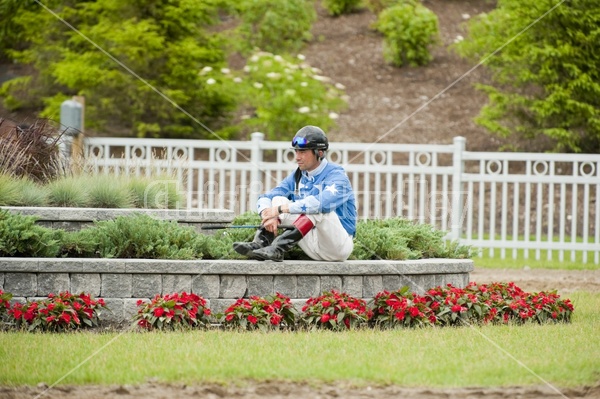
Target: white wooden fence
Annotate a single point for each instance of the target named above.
(515, 203)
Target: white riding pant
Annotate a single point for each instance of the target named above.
(328, 240)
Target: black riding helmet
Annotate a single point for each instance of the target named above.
(310, 138)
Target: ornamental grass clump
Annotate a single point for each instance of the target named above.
(58, 313)
(273, 312)
(334, 311)
(177, 311)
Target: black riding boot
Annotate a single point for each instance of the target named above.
(282, 243)
(262, 238)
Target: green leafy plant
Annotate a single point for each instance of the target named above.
(256, 313)
(409, 29)
(334, 311)
(175, 311)
(20, 236)
(339, 7)
(62, 312)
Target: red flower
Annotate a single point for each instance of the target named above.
(159, 312)
(252, 319)
(414, 311)
(400, 315)
(325, 318)
(207, 312)
(229, 317)
(65, 317)
(456, 308)
(275, 319)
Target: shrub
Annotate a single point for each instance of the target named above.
(61, 312)
(20, 236)
(274, 25)
(339, 7)
(409, 29)
(376, 6)
(172, 312)
(270, 313)
(334, 311)
(140, 236)
(278, 93)
(401, 239)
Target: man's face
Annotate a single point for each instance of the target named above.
(306, 160)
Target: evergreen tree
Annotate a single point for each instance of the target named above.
(164, 42)
(546, 72)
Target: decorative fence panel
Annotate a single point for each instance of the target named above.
(515, 203)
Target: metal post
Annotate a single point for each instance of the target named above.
(71, 120)
(460, 144)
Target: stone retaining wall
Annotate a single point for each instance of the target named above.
(121, 282)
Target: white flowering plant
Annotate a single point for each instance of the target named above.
(278, 94)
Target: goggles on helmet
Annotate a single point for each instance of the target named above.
(300, 142)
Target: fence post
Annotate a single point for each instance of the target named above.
(458, 166)
(256, 158)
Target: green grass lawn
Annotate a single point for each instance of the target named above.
(564, 355)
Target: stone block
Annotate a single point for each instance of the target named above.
(53, 283)
(308, 286)
(114, 312)
(86, 282)
(286, 285)
(60, 265)
(329, 283)
(260, 285)
(233, 286)
(206, 285)
(21, 284)
(130, 308)
(116, 286)
(352, 285)
(146, 285)
(105, 265)
(372, 285)
(219, 305)
(172, 283)
(27, 265)
(1, 281)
